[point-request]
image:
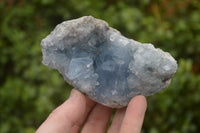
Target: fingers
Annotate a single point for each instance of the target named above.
(98, 120)
(68, 116)
(117, 121)
(134, 116)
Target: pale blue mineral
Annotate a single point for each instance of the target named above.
(108, 67)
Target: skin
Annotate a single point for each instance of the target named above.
(81, 114)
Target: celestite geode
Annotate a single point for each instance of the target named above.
(108, 67)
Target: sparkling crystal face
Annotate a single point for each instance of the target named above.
(100, 62)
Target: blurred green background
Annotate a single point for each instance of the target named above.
(29, 91)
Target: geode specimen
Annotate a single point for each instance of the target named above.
(108, 67)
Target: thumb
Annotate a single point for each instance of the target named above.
(66, 116)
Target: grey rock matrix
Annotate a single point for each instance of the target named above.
(108, 67)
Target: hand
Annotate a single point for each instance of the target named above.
(81, 112)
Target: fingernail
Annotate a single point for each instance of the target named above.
(74, 93)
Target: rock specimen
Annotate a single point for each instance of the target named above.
(97, 60)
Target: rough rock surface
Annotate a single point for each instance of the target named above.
(100, 62)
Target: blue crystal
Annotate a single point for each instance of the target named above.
(111, 69)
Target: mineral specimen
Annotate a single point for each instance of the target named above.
(97, 60)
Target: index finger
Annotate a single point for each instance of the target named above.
(69, 116)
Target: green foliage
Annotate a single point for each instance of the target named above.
(29, 91)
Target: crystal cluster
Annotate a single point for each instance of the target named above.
(108, 67)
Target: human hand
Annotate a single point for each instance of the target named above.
(81, 113)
